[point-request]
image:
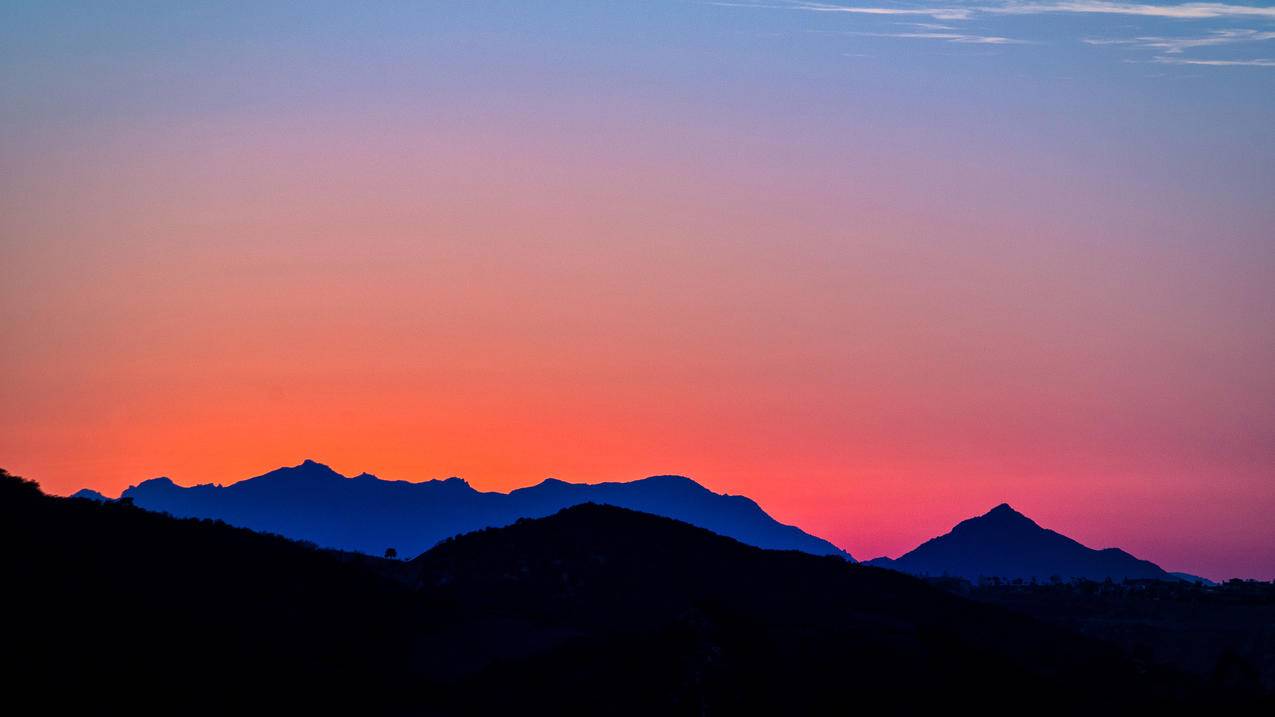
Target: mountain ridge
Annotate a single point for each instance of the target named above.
(311, 501)
(594, 609)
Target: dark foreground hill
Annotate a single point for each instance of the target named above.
(312, 502)
(1224, 632)
(1004, 543)
(595, 610)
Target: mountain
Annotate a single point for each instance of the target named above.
(366, 514)
(89, 494)
(594, 609)
(1004, 543)
(109, 599)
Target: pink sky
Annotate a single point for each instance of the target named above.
(876, 318)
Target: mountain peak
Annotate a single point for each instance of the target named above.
(449, 486)
(1004, 515)
(1007, 544)
(671, 480)
(307, 469)
(89, 494)
(1004, 510)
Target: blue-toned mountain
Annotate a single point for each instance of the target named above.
(366, 514)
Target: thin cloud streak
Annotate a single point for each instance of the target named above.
(944, 13)
(1261, 62)
(1176, 45)
(949, 37)
(1167, 45)
(939, 13)
(1183, 11)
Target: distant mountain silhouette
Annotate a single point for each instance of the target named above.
(89, 494)
(366, 514)
(1007, 544)
(594, 610)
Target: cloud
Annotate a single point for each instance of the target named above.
(1183, 11)
(1165, 60)
(937, 13)
(949, 37)
(987, 9)
(1175, 45)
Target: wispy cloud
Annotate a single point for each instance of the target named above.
(1176, 45)
(1181, 11)
(930, 22)
(1262, 62)
(949, 37)
(937, 13)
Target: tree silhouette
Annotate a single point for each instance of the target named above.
(17, 485)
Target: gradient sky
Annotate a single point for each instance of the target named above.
(878, 267)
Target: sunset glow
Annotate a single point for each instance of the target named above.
(877, 281)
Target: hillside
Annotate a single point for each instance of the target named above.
(594, 609)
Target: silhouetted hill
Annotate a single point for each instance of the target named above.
(88, 494)
(1007, 544)
(623, 599)
(109, 604)
(1225, 633)
(366, 514)
(594, 610)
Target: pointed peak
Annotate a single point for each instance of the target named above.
(309, 466)
(1003, 515)
(307, 470)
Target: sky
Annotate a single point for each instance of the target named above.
(878, 266)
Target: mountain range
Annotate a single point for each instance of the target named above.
(594, 609)
(365, 514)
(1004, 543)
